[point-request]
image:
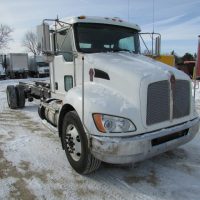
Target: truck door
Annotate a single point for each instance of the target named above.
(63, 65)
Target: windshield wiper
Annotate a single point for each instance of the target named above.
(119, 49)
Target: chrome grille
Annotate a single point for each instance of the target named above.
(181, 96)
(158, 101)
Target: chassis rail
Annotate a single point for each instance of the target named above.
(37, 90)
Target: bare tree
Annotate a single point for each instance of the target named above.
(5, 35)
(30, 43)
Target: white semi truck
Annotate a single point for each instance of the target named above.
(17, 65)
(38, 67)
(107, 101)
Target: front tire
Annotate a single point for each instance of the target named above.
(75, 143)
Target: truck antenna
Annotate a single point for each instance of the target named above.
(153, 17)
(128, 10)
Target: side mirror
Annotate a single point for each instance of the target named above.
(43, 36)
(157, 46)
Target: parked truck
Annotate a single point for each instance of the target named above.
(38, 67)
(2, 69)
(17, 65)
(106, 101)
(2, 72)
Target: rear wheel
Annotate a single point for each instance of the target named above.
(20, 96)
(75, 144)
(11, 96)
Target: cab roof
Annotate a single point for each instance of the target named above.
(101, 20)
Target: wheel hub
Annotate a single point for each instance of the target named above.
(73, 142)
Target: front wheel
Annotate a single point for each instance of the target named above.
(75, 143)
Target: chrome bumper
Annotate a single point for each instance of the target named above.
(135, 148)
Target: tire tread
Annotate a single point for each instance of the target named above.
(92, 165)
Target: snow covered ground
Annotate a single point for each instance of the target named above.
(34, 166)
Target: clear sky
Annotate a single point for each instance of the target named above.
(177, 20)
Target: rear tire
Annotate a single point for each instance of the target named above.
(11, 97)
(20, 96)
(75, 143)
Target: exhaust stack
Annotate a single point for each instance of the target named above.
(197, 68)
(198, 60)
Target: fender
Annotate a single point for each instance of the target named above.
(98, 99)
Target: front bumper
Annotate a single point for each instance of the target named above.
(43, 74)
(136, 148)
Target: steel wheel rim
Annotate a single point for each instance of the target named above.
(73, 142)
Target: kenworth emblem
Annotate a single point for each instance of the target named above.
(172, 82)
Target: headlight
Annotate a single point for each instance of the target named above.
(113, 124)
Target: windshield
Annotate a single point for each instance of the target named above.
(93, 38)
(42, 64)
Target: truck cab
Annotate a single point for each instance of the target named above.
(107, 101)
(43, 69)
(38, 67)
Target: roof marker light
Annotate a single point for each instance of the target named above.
(82, 17)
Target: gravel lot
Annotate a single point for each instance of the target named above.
(34, 166)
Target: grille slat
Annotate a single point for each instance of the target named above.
(158, 101)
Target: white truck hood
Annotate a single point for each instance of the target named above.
(128, 71)
(139, 65)
(130, 75)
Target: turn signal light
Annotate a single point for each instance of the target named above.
(98, 122)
